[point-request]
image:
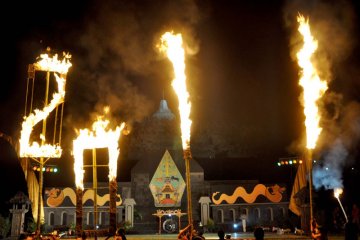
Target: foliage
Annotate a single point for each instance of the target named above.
(210, 225)
(126, 225)
(5, 226)
(31, 225)
(72, 226)
(137, 215)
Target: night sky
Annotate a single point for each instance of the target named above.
(243, 77)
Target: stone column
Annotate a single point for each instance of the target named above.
(129, 210)
(205, 209)
(18, 217)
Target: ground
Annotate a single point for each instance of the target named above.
(242, 236)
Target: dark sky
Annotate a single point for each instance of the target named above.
(241, 70)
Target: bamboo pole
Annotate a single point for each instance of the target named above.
(187, 158)
(95, 192)
(309, 163)
(112, 205)
(79, 212)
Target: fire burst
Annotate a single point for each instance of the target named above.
(53, 64)
(313, 86)
(173, 46)
(337, 193)
(99, 137)
(37, 150)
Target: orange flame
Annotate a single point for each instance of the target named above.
(313, 86)
(99, 137)
(173, 46)
(53, 64)
(36, 149)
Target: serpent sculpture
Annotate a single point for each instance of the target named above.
(56, 196)
(273, 193)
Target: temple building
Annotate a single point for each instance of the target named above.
(154, 200)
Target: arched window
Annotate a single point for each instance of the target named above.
(257, 214)
(90, 219)
(70, 218)
(244, 211)
(100, 219)
(282, 212)
(270, 214)
(64, 218)
(232, 214)
(120, 215)
(104, 218)
(51, 218)
(220, 214)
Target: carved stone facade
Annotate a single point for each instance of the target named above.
(158, 138)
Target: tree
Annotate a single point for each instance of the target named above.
(4, 226)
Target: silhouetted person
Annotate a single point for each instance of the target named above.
(355, 215)
(22, 236)
(121, 233)
(351, 231)
(259, 233)
(323, 233)
(83, 235)
(315, 231)
(338, 219)
(111, 233)
(117, 236)
(184, 233)
(221, 234)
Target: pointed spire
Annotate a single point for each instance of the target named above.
(164, 112)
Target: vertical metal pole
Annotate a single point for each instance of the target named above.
(38, 223)
(160, 224)
(55, 124)
(41, 160)
(95, 192)
(45, 104)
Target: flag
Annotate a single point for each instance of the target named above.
(299, 188)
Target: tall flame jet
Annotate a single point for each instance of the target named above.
(313, 86)
(99, 137)
(60, 69)
(172, 45)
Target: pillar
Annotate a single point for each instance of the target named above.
(18, 218)
(129, 210)
(205, 209)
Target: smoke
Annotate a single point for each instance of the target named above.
(339, 148)
(119, 66)
(329, 174)
(332, 25)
